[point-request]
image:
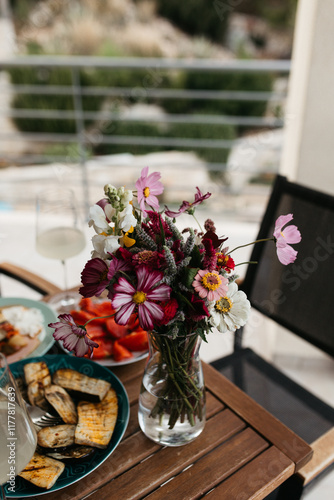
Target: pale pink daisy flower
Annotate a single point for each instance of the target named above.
(210, 284)
(283, 237)
(148, 187)
(74, 337)
(127, 298)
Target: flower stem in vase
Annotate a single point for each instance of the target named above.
(172, 400)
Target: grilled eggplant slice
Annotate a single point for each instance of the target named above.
(37, 371)
(36, 395)
(62, 402)
(56, 436)
(38, 377)
(96, 421)
(42, 471)
(81, 386)
(73, 454)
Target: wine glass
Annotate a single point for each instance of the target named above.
(18, 438)
(59, 235)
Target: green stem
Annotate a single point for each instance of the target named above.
(98, 317)
(252, 243)
(250, 262)
(199, 225)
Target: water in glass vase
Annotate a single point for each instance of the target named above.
(158, 427)
(172, 407)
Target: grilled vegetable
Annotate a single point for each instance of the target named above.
(62, 402)
(81, 386)
(42, 471)
(37, 371)
(73, 454)
(37, 376)
(96, 421)
(57, 436)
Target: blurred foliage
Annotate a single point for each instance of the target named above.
(279, 13)
(197, 17)
(195, 80)
(170, 131)
(47, 76)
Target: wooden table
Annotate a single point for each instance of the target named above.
(243, 453)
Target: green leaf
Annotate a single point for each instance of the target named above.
(163, 238)
(188, 275)
(196, 258)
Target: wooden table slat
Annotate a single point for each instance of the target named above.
(148, 475)
(128, 453)
(243, 450)
(259, 418)
(211, 469)
(256, 479)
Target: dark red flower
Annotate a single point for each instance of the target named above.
(94, 278)
(210, 258)
(199, 310)
(153, 226)
(211, 235)
(170, 308)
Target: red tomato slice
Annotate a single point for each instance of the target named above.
(133, 323)
(135, 341)
(120, 352)
(81, 317)
(115, 330)
(104, 350)
(96, 331)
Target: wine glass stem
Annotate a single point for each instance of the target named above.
(65, 275)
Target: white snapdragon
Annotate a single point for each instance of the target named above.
(127, 219)
(98, 219)
(103, 245)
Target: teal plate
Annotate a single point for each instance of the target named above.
(49, 316)
(74, 472)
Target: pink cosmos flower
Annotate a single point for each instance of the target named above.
(284, 236)
(94, 278)
(210, 284)
(74, 337)
(188, 207)
(148, 187)
(127, 298)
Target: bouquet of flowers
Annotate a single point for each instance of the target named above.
(175, 282)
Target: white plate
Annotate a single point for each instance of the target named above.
(49, 316)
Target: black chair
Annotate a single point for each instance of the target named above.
(300, 297)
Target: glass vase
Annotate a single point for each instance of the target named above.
(172, 396)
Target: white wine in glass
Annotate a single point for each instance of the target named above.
(59, 234)
(18, 437)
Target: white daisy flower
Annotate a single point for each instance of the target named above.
(230, 312)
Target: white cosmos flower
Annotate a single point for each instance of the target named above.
(103, 245)
(230, 312)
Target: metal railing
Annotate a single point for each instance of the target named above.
(148, 88)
